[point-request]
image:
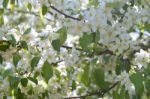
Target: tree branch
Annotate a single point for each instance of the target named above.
(66, 16)
(98, 93)
(100, 53)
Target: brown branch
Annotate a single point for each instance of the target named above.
(66, 16)
(106, 52)
(98, 93)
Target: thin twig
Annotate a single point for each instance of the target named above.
(66, 16)
(100, 53)
(98, 93)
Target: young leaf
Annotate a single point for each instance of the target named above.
(14, 81)
(73, 85)
(33, 80)
(6, 73)
(11, 39)
(147, 26)
(86, 40)
(34, 61)
(24, 82)
(19, 94)
(24, 45)
(47, 71)
(4, 45)
(1, 59)
(28, 30)
(137, 80)
(1, 11)
(5, 3)
(56, 44)
(85, 76)
(62, 35)
(29, 6)
(98, 78)
(44, 9)
(16, 58)
(95, 3)
(1, 20)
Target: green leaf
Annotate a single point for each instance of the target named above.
(147, 85)
(5, 3)
(19, 94)
(36, 74)
(27, 31)
(122, 65)
(12, 5)
(11, 39)
(122, 92)
(24, 82)
(14, 81)
(16, 58)
(34, 62)
(1, 59)
(116, 95)
(97, 37)
(98, 78)
(56, 44)
(33, 80)
(73, 85)
(1, 11)
(85, 76)
(4, 45)
(113, 5)
(62, 35)
(147, 26)
(24, 45)
(98, 75)
(1, 20)
(137, 80)
(86, 40)
(4, 97)
(95, 3)
(6, 73)
(44, 9)
(47, 71)
(29, 6)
